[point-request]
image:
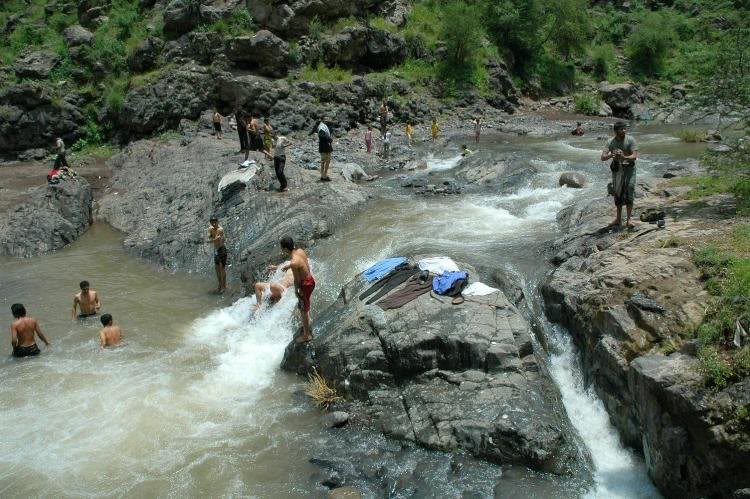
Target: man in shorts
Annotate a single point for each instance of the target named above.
(87, 301)
(304, 283)
(623, 152)
(23, 331)
(216, 236)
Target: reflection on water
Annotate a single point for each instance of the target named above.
(194, 404)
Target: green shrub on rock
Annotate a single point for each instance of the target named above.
(587, 104)
(603, 61)
(649, 44)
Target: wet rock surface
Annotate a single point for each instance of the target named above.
(164, 192)
(446, 377)
(628, 297)
(51, 217)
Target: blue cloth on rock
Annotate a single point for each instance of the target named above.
(442, 283)
(382, 268)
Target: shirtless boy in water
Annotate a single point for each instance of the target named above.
(276, 289)
(110, 335)
(22, 332)
(87, 300)
(304, 284)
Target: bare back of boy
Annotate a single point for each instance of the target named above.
(110, 336)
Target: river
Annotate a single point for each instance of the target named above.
(195, 404)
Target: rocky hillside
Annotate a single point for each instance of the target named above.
(97, 70)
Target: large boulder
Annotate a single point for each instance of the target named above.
(361, 47)
(575, 180)
(36, 65)
(91, 13)
(76, 36)
(264, 53)
(446, 376)
(181, 16)
(294, 17)
(179, 93)
(145, 55)
(52, 217)
(621, 97)
(203, 47)
(504, 92)
(30, 118)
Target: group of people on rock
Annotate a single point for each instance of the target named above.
(86, 303)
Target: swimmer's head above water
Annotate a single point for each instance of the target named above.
(106, 320)
(18, 310)
(84, 285)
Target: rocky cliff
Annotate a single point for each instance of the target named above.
(444, 376)
(51, 217)
(632, 300)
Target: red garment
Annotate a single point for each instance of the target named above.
(305, 292)
(52, 173)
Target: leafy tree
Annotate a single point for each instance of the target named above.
(649, 44)
(568, 26)
(515, 26)
(462, 34)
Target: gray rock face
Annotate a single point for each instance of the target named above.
(505, 95)
(52, 217)
(163, 194)
(145, 55)
(447, 376)
(624, 297)
(294, 17)
(29, 119)
(263, 52)
(181, 16)
(361, 47)
(92, 12)
(36, 65)
(572, 179)
(77, 35)
(621, 98)
(180, 93)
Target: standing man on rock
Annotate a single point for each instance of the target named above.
(280, 143)
(325, 147)
(239, 115)
(87, 300)
(60, 160)
(383, 111)
(623, 152)
(216, 236)
(304, 283)
(22, 332)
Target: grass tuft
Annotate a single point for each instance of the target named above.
(320, 73)
(320, 391)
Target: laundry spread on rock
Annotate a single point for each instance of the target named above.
(438, 265)
(450, 283)
(479, 289)
(381, 268)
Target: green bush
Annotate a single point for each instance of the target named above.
(603, 61)
(90, 135)
(381, 24)
(423, 25)
(587, 104)
(691, 135)
(344, 22)
(416, 70)
(515, 26)
(315, 28)
(462, 37)
(556, 76)
(717, 371)
(239, 23)
(569, 26)
(322, 73)
(650, 43)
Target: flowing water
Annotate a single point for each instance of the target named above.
(195, 404)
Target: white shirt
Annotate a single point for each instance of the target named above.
(387, 138)
(438, 265)
(279, 146)
(60, 145)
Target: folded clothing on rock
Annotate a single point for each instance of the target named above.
(382, 268)
(386, 284)
(416, 286)
(450, 283)
(438, 265)
(479, 289)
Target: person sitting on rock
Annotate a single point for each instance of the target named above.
(623, 152)
(275, 289)
(578, 130)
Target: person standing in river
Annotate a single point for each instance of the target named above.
(216, 236)
(623, 152)
(325, 147)
(23, 331)
(409, 130)
(304, 283)
(87, 301)
(110, 335)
